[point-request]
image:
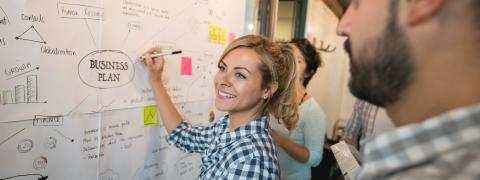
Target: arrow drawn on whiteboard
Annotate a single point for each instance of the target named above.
(37, 68)
(11, 136)
(70, 139)
(22, 175)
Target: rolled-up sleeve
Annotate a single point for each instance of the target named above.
(314, 136)
(191, 139)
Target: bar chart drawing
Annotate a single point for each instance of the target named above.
(22, 94)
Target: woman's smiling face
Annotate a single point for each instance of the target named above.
(238, 82)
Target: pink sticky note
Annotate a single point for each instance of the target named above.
(186, 66)
(231, 37)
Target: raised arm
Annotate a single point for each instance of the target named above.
(168, 112)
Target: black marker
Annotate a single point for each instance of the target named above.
(161, 54)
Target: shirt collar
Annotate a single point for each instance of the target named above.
(253, 127)
(420, 142)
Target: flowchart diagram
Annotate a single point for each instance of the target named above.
(73, 92)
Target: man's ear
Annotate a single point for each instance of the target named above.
(421, 10)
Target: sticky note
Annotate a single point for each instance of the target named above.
(212, 33)
(231, 37)
(186, 67)
(150, 116)
(222, 37)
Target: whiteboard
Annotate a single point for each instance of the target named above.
(74, 97)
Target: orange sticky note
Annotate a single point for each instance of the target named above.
(186, 67)
(150, 116)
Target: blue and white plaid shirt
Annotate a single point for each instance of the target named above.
(247, 152)
(443, 147)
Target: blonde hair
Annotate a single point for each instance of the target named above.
(277, 66)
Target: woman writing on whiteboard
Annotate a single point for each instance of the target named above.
(255, 78)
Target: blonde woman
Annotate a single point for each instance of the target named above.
(255, 78)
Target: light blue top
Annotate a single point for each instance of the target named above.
(309, 133)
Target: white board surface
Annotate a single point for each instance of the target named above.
(72, 93)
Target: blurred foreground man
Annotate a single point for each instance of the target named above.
(420, 60)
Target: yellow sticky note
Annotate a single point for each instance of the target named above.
(213, 33)
(222, 37)
(150, 115)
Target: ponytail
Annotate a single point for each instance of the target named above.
(283, 106)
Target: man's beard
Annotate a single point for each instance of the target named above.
(383, 69)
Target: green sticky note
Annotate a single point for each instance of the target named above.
(150, 115)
